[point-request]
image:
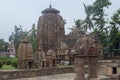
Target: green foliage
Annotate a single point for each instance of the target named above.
(7, 67)
(97, 18)
(3, 45)
(114, 33)
(32, 36)
(107, 30)
(14, 62)
(17, 36)
(78, 25)
(99, 14)
(7, 62)
(1, 64)
(87, 23)
(98, 22)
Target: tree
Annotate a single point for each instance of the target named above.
(3, 45)
(17, 36)
(78, 25)
(116, 18)
(87, 23)
(99, 14)
(96, 13)
(32, 36)
(114, 27)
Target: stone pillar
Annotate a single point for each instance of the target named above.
(79, 67)
(92, 66)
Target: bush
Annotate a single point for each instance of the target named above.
(8, 62)
(8, 67)
(1, 64)
(3, 61)
(14, 63)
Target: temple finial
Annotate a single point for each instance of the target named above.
(50, 6)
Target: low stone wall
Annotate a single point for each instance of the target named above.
(112, 77)
(105, 67)
(5, 75)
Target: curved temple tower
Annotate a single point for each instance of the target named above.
(50, 29)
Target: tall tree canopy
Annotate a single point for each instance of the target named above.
(32, 36)
(20, 34)
(17, 36)
(3, 45)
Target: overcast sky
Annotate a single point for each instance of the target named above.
(27, 12)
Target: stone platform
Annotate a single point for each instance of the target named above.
(15, 74)
(66, 76)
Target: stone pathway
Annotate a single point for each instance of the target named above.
(67, 76)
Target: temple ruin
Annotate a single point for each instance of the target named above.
(88, 52)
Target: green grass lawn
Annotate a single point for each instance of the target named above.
(7, 67)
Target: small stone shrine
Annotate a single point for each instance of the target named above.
(50, 59)
(40, 58)
(25, 55)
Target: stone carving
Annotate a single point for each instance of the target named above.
(89, 45)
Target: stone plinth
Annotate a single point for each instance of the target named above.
(79, 67)
(92, 67)
(15, 74)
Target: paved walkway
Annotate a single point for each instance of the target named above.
(67, 76)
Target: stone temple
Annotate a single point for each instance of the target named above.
(58, 48)
(52, 39)
(54, 48)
